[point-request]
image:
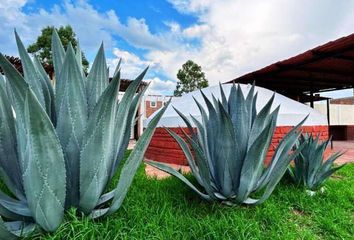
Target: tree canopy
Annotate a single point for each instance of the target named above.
(191, 77)
(42, 47)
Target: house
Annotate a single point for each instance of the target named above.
(152, 103)
(148, 105)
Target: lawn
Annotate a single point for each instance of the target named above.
(167, 209)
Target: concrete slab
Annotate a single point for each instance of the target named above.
(347, 147)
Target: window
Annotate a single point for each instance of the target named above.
(153, 104)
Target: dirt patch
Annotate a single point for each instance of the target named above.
(298, 212)
(337, 177)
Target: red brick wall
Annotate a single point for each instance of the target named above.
(150, 110)
(164, 148)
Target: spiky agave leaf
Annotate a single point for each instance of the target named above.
(58, 54)
(309, 168)
(97, 79)
(230, 148)
(9, 163)
(78, 55)
(95, 158)
(48, 91)
(72, 119)
(31, 75)
(15, 229)
(45, 191)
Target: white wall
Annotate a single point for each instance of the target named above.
(339, 114)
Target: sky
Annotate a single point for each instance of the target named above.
(228, 38)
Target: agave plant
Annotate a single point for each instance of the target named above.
(230, 147)
(59, 148)
(309, 168)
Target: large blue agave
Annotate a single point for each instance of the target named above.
(230, 147)
(59, 148)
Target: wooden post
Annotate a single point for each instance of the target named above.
(329, 120)
(328, 112)
(311, 99)
(311, 95)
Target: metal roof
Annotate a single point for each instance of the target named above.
(325, 68)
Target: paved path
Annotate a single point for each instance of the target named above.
(347, 147)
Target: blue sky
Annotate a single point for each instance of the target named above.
(227, 38)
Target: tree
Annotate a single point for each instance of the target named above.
(42, 47)
(191, 77)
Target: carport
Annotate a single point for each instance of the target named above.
(328, 67)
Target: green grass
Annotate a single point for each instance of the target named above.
(167, 209)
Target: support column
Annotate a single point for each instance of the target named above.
(311, 96)
(329, 120)
(328, 112)
(311, 99)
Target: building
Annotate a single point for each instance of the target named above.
(148, 105)
(341, 115)
(152, 103)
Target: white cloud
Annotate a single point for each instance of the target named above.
(131, 64)
(174, 27)
(160, 87)
(241, 36)
(9, 9)
(197, 30)
(191, 6)
(137, 33)
(10, 17)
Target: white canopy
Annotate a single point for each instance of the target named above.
(291, 112)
